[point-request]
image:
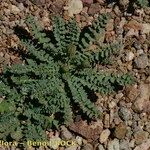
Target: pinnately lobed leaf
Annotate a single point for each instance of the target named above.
(57, 74)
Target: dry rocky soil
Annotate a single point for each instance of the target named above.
(125, 124)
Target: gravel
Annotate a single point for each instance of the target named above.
(125, 115)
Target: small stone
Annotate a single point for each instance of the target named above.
(147, 127)
(130, 56)
(141, 62)
(74, 7)
(1, 54)
(120, 131)
(1, 59)
(131, 93)
(112, 104)
(100, 147)
(123, 3)
(104, 135)
(140, 52)
(87, 1)
(143, 99)
(21, 6)
(133, 24)
(12, 57)
(132, 143)
(140, 137)
(137, 45)
(79, 140)
(117, 10)
(7, 59)
(110, 25)
(53, 140)
(124, 145)
(65, 133)
(119, 96)
(94, 8)
(106, 121)
(129, 132)
(146, 28)
(114, 145)
(14, 9)
(125, 114)
(144, 146)
(87, 147)
(74, 147)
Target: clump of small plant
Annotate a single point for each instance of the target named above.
(142, 3)
(58, 71)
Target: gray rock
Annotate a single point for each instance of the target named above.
(124, 145)
(114, 145)
(144, 146)
(141, 61)
(129, 132)
(104, 135)
(125, 114)
(21, 6)
(130, 56)
(65, 133)
(140, 137)
(79, 140)
(147, 127)
(2, 59)
(106, 121)
(87, 147)
(100, 147)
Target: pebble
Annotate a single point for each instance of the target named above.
(143, 98)
(123, 3)
(106, 121)
(21, 6)
(114, 145)
(110, 25)
(140, 137)
(144, 146)
(74, 147)
(104, 135)
(53, 140)
(112, 104)
(125, 114)
(137, 45)
(131, 93)
(141, 62)
(65, 133)
(1, 59)
(129, 132)
(119, 96)
(87, 147)
(132, 143)
(79, 140)
(146, 28)
(7, 58)
(14, 9)
(87, 1)
(130, 56)
(140, 52)
(147, 126)
(124, 145)
(100, 147)
(120, 131)
(94, 8)
(74, 7)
